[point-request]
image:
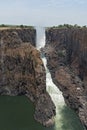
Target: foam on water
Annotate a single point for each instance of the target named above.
(52, 89)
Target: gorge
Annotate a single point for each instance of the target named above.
(23, 73)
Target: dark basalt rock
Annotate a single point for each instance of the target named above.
(22, 73)
(66, 53)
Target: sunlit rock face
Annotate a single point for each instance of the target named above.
(66, 52)
(22, 72)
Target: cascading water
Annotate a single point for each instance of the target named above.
(61, 122)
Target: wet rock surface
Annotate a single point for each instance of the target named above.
(66, 53)
(22, 73)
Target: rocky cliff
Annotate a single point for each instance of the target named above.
(66, 52)
(22, 72)
(25, 34)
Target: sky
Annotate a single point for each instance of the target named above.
(43, 12)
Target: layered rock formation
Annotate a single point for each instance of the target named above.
(66, 52)
(22, 72)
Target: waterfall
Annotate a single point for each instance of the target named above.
(51, 88)
(40, 37)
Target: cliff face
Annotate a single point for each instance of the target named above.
(66, 52)
(25, 35)
(22, 72)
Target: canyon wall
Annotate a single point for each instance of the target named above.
(24, 34)
(66, 53)
(22, 71)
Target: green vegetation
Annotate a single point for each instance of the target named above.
(15, 26)
(25, 26)
(3, 25)
(67, 26)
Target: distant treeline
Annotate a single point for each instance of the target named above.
(68, 26)
(54, 27)
(15, 26)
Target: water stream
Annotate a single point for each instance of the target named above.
(55, 93)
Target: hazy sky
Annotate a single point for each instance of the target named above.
(43, 12)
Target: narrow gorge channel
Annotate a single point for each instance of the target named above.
(65, 119)
(16, 110)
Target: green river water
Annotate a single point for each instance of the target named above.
(16, 113)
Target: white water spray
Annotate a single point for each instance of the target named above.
(40, 38)
(52, 89)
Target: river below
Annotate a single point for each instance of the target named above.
(16, 113)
